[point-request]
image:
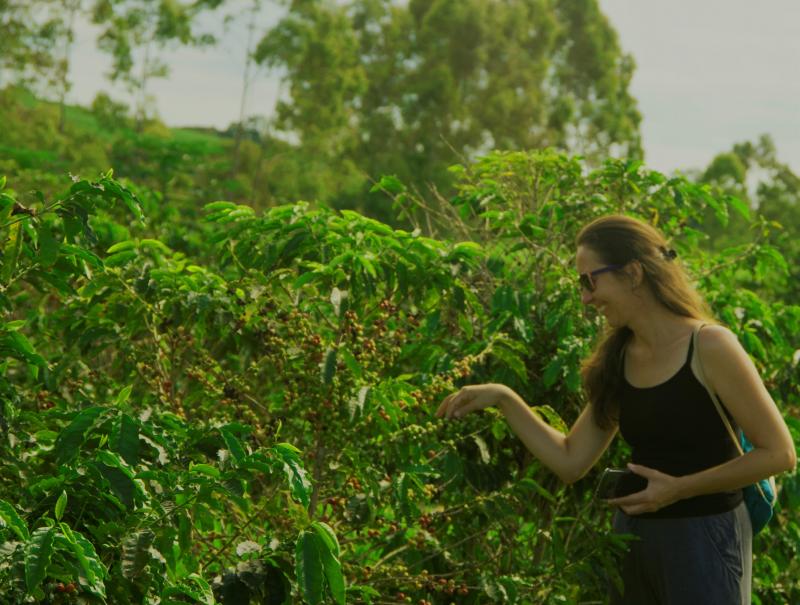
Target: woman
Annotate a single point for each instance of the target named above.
(694, 529)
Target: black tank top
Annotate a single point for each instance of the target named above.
(675, 428)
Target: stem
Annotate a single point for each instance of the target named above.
(319, 454)
(239, 529)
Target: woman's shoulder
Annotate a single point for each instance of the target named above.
(718, 342)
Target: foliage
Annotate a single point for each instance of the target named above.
(110, 114)
(250, 417)
(408, 88)
(103, 497)
(752, 173)
(26, 44)
(129, 25)
(375, 88)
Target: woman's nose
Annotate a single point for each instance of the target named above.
(586, 296)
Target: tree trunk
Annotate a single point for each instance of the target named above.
(245, 85)
(72, 9)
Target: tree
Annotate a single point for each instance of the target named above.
(753, 173)
(250, 15)
(26, 42)
(378, 87)
(149, 26)
(68, 10)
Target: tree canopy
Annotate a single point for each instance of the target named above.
(378, 87)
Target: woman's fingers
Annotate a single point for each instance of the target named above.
(456, 404)
(448, 405)
(442, 409)
(470, 398)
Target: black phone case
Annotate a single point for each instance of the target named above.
(620, 482)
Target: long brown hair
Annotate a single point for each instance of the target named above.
(618, 240)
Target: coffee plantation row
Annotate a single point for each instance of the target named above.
(220, 406)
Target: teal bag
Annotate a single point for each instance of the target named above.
(759, 498)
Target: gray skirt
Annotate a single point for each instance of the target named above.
(704, 560)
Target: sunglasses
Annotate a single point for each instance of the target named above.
(587, 279)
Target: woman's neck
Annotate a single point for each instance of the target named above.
(658, 329)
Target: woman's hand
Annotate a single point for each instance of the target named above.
(662, 490)
(472, 398)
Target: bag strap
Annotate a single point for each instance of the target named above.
(722, 415)
(710, 389)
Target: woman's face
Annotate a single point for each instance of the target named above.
(612, 290)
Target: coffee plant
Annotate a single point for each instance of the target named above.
(249, 418)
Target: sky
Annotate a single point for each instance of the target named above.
(709, 73)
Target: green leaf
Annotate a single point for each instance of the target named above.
(205, 469)
(305, 278)
(552, 418)
(87, 558)
(233, 444)
(329, 553)
(82, 253)
(123, 396)
(125, 440)
(529, 483)
(13, 326)
(194, 587)
(293, 467)
(217, 206)
(155, 244)
(14, 344)
(741, 207)
(61, 504)
(753, 345)
(467, 249)
(122, 246)
(776, 259)
(136, 553)
(118, 476)
(73, 436)
(552, 372)
(9, 518)
(11, 252)
(328, 536)
(120, 258)
(309, 567)
(38, 551)
(329, 366)
(482, 448)
(512, 360)
(390, 184)
(351, 362)
(48, 247)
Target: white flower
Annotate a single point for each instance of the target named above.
(247, 547)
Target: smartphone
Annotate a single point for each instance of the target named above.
(618, 482)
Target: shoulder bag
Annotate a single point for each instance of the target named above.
(760, 496)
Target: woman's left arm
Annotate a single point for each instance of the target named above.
(735, 379)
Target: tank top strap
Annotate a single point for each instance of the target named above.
(689, 353)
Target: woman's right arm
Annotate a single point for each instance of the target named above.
(568, 456)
